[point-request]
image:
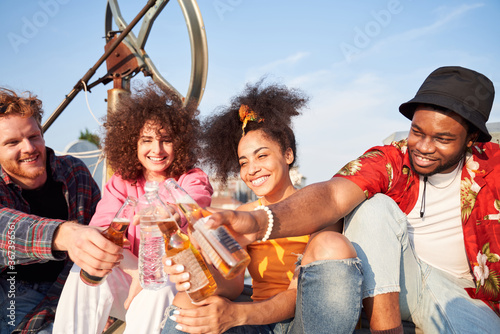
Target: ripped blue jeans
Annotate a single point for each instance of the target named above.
(328, 301)
(434, 300)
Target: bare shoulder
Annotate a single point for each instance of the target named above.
(248, 206)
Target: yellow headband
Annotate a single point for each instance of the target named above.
(246, 114)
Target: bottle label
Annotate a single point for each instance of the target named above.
(188, 260)
(207, 248)
(222, 235)
(220, 239)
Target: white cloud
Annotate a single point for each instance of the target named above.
(278, 65)
(394, 42)
(311, 79)
(438, 24)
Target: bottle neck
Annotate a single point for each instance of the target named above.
(119, 226)
(193, 212)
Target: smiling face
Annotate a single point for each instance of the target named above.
(155, 152)
(437, 141)
(264, 167)
(22, 151)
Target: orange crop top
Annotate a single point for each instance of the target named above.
(273, 264)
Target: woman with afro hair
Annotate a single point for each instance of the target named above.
(150, 137)
(253, 137)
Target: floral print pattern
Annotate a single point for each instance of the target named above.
(351, 168)
(354, 166)
(467, 197)
(487, 279)
(481, 271)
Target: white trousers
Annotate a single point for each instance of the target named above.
(84, 309)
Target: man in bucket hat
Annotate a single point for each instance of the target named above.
(423, 213)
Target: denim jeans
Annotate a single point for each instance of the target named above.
(328, 301)
(18, 298)
(431, 298)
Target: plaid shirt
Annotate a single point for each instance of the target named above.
(386, 169)
(33, 235)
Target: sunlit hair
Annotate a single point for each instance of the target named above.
(275, 104)
(162, 107)
(25, 105)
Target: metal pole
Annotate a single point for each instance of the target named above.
(78, 87)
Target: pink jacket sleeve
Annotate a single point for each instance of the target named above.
(195, 182)
(114, 194)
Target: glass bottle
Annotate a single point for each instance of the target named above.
(114, 233)
(219, 245)
(153, 213)
(174, 244)
(179, 248)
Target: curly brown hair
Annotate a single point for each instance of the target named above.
(274, 103)
(161, 106)
(27, 106)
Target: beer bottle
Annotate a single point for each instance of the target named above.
(114, 233)
(219, 245)
(179, 248)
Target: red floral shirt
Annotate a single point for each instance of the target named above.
(386, 169)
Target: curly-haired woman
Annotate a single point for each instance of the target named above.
(151, 137)
(253, 137)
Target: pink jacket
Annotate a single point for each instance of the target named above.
(195, 182)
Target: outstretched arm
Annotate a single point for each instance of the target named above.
(29, 238)
(320, 204)
(18, 244)
(87, 248)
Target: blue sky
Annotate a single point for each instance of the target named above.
(356, 60)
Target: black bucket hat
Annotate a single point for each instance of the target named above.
(466, 92)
